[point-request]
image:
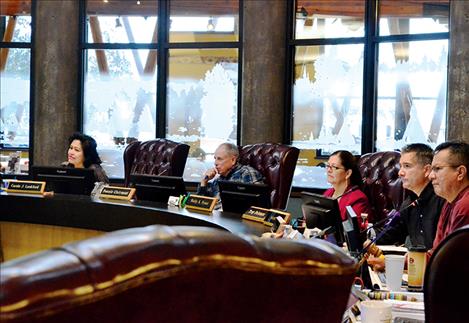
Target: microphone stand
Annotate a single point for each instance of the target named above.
(394, 214)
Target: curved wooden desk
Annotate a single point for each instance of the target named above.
(30, 223)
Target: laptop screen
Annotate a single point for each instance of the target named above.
(157, 188)
(65, 180)
(239, 197)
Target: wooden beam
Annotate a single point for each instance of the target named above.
(338, 8)
(130, 37)
(150, 65)
(15, 7)
(98, 38)
(7, 37)
(356, 8)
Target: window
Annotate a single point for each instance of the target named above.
(15, 80)
(342, 56)
(161, 69)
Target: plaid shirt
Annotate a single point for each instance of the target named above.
(239, 173)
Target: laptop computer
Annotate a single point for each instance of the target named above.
(239, 197)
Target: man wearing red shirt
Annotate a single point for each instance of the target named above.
(450, 179)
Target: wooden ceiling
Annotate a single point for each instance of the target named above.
(343, 8)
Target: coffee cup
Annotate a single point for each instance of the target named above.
(416, 263)
(394, 269)
(375, 311)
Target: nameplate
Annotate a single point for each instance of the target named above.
(271, 217)
(117, 193)
(256, 214)
(201, 203)
(27, 187)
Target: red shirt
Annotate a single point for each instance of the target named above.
(355, 198)
(453, 216)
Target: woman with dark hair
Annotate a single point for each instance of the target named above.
(344, 176)
(82, 153)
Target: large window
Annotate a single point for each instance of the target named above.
(15, 79)
(161, 69)
(350, 65)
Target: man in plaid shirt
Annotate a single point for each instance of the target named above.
(227, 168)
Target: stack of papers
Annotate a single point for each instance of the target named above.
(403, 311)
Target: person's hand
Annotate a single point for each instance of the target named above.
(366, 243)
(377, 263)
(208, 175)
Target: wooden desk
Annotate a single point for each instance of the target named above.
(30, 223)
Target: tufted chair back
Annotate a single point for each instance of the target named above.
(446, 276)
(178, 274)
(381, 182)
(277, 163)
(155, 157)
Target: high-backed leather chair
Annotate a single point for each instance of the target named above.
(381, 182)
(277, 163)
(155, 157)
(178, 274)
(447, 280)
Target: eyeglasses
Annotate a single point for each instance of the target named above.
(332, 167)
(436, 169)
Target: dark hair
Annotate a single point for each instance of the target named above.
(349, 162)
(459, 153)
(423, 152)
(88, 144)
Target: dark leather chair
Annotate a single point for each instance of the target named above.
(155, 157)
(447, 280)
(381, 182)
(277, 163)
(178, 274)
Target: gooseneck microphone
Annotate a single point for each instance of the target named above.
(391, 217)
(389, 221)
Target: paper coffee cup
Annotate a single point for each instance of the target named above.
(394, 269)
(416, 263)
(375, 311)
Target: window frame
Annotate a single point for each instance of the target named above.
(163, 47)
(27, 45)
(371, 41)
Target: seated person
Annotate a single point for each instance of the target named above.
(82, 153)
(450, 179)
(344, 176)
(227, 168)
(417, 223)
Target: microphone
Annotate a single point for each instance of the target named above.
(392, 219)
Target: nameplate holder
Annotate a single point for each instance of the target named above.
(117, 193)
(26, 187)
(201, 203)
(271, 218)
(255, 213)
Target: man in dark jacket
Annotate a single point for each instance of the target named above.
(422, 207)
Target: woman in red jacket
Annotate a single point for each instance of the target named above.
(343, 175)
